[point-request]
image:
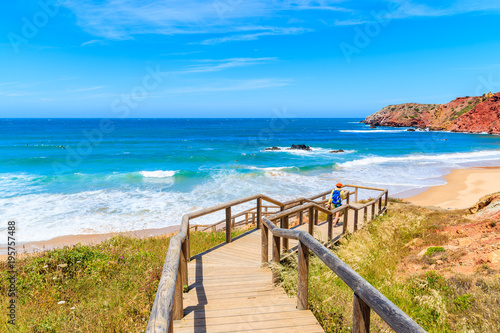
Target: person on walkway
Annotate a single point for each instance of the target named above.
(335, 200)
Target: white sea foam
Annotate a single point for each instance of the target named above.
(271, 168)
(158, 174)
(48, 215)
(372, 131)
(451, 159)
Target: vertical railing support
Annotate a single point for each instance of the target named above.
(356, 195)
(316, 214)
(379, 205)
(183, 268)
(365, 215)
(265, 244)
(346, 219)
(386, 198)
(310, 225)
(259, 212)
(373, 211)
(228, 225)
(360, 316)
(303, 274)
(285, 240)
(178, 307)
(188, 245)
(301, 216)
(330, 226)
(355, 220)
(276, 257)
(348, 197)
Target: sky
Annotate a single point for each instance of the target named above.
(235, 58)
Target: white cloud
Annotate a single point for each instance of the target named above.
(222, 64)
(122, 19)
(239, 85)
(86, 89)
(275, 31)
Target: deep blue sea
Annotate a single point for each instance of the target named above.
(73, 176)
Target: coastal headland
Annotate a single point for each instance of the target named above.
(470, 114)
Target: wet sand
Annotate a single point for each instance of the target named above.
(463, 188)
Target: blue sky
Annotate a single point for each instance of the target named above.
(235, 58)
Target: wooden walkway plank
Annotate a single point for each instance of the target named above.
(230, 291)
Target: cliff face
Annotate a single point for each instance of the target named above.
(464, 114)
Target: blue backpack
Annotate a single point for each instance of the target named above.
(336, 198)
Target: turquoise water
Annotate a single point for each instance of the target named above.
(71, 176)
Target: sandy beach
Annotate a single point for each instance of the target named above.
(463, 188)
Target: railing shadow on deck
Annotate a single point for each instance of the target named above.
(168, 304)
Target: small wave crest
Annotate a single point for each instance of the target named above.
(158, 174)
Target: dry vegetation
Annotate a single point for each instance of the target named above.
(437, 296)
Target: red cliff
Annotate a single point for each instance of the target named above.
(464, 114)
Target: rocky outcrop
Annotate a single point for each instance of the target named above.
(464, 114)
(293, 147)
(488, 207)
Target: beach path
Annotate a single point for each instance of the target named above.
(230, 291)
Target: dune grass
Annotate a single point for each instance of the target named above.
(109, 287)
(438, 304)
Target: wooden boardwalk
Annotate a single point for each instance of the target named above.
(229, 291)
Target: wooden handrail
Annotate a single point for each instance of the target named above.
(390, 313)
(168, 300)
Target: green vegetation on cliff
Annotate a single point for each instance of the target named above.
(456, 303)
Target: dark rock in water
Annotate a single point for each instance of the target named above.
(337, 151)
(273, 148)
(299, 147)
(410, 130)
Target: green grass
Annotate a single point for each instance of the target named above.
(109, 287)
(433, 249)
(438, 304)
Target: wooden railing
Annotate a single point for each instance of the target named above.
(168, 304)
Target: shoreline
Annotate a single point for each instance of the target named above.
(463, 188)
(30, 248)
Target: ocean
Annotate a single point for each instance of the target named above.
(79, 176)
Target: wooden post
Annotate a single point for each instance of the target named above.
(310, 226)
(303, 273)
(346, 218)
(183, 264)
(259, 212)
(356, 195)
(360, 316)
(276, 256)
(379, 205)
(188, 245)
(316, 214)
(285, 240)
(348, 197)
(355, 219)
(330, 226)
(265, 244)
(178, 308)
(246, 218)
(386, 198)
(373, 211)
(301, 216)
(365, 215)
(228, 225)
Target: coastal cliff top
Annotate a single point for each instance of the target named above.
(476, 114)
